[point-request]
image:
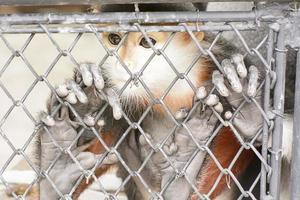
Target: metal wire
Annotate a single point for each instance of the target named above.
(81, 24)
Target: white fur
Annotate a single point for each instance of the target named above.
(158, 75)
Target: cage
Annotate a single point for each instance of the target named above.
(149, 52)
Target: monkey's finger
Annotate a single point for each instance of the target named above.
(238, 60)
(112, 97)
(64, 113)
(212, 100)
(253, 81)
(181, 114)
(228, 114)
(101, 122)
(78, 92)
(117, 111)
(86, 74)
(219, 107)
(114, 102)
(71, 98)
(218, 81)
(62, 90)
(47, 119)
(201, 92)
(98, 79)
(232, 76)
(89, 120)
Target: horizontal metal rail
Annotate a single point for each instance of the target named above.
(141, 17)
(93, 2)
(125, 28)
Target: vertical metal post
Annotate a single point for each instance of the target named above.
(265, 138)
(295, 172)
(278, 109)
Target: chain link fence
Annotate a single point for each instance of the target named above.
(269, 55)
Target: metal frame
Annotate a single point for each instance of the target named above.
(100, 2)
(276, 15)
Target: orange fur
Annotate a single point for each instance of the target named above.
(185, 38)
(224, 148)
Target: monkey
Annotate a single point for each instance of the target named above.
(158, 111)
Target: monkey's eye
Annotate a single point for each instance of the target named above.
(114, 38)
(145, 44)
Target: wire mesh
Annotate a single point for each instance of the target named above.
(153, 147)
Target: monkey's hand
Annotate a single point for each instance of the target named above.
(236, 85)
(187, 147)
(190, 139)
(58, 143)
(88, 88)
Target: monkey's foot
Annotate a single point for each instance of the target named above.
(170, 149)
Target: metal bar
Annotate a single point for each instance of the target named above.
(295, 175)
(279, 90)
(141, 17)
(93, 2)
(124, 28)
(265, 134)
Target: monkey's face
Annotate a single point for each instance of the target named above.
(143, 74)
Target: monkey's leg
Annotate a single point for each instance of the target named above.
(200, 127)
(58, 135)
(225, 147)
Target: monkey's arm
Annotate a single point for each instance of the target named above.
(62, 132)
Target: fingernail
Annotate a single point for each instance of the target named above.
(86, 75)
(218, 81)
(181, 114)
(62, 90)
(238, 60)
(117, 112)
(98, 79)
(232, 76)
(253, 81)
(89, 120)
(228, 115)
(219, 107)
(212, 100)
(71, 98)
(201, 93)
(78, 92)
(101, 122)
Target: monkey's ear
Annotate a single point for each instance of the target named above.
(200, 35)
